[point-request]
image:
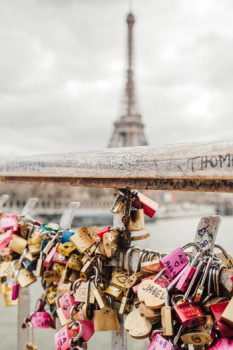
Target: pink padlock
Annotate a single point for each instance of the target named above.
(5, 251)
(174, 263)
(103, 231)
(66, 301)
(159, 343)
(40, 319)
(15, 291)
(5, 238)
(59, 258)
(187, 274)
(62, 338)
(49, 257)
(222, 344)
(9, 221)
(88, 328)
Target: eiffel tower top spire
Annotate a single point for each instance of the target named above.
(128, 130)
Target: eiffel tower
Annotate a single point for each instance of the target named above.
(129, 129)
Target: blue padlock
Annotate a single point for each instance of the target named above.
(66, 234)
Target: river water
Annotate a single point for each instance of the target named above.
(165, 235)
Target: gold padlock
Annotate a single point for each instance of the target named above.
(86, 269)
(7, 295)
(26, 277)
(82, 240)
(74, 262)
(136, 221)
(111, 242)
(18, 244)
(81, 291)
(106, 320)
(51, 276)
(66, 248)
(5, 269)
(200, 335)
(51, 294)
(31, 346)
(114, 292)
(34, 249)
(63, 288)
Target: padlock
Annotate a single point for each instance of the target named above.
(201, 287)
(137, 326)
(166, 316)
(65, 302)
(51, 294)
(88, 329)
(39, 266)
(149, 206)
(79, 288)
(5, 269)
(216, 310)
(137, 275)
(74, 276)
(111, 242)
(34, 249)
(106, 320)
(103, 231)
(189, 314)
(40, 319)
(51, 276)
(15, 285)
(59, 258)
(98, 293)
(221, 344)
(66, 248)
(26, 277)
(136, 221)
(151, 293)
(174, 262)
(228, 260)
(118, 203)
(74, 262)
(49, 258)
(63, 288)
(9, 221)
(87, 310)
(7, 295)
(187, 274)
(159, 343)
(82, 240)
(17, 244)
(66, 234)
(212, 301)
(227, 315)
(162, 281)
(152, 266)
(86, 269)
(200, 335)
(114, 292)
(5, 239)
(62, 338)
(50, 227)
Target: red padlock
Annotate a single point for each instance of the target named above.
(216, 311)
(149, 206)
(188, 313)
(103, 231)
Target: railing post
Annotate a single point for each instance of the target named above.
(23, 311)
(119, 338)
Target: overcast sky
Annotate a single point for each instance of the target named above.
(63, 63)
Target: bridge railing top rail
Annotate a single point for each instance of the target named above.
(189, 166)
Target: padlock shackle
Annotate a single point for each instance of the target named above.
(201, 262)
(218, 279)
(128, 254)
(222, 250)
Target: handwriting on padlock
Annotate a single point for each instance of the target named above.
(40, 319)
(151, 294)
(62, 338)
(174, 263)
(159, 343)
